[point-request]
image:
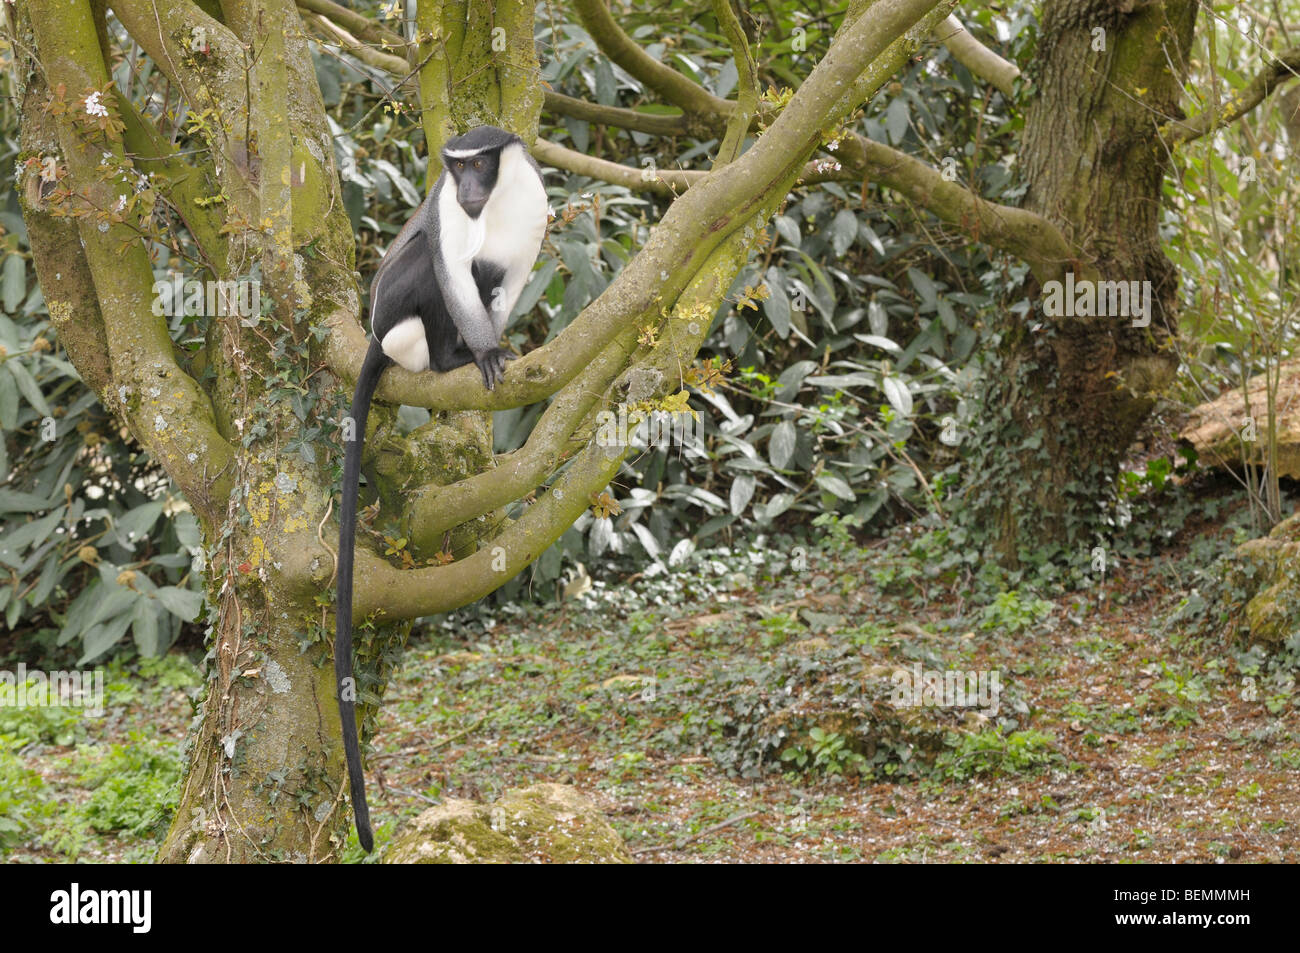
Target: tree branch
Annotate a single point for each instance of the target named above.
(670, 182)
(976, 57)
(185, 185)
(167, 411)
(162, 27)
(388, 62)
(436, 509)
(649, 123)
(1023, 233)
(1285, 67)
(627, 53)
(747, 91)
(359, 26)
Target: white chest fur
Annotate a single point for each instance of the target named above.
(515, 215)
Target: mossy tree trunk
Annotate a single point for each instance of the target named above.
(1068, 394)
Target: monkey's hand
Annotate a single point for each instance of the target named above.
(492, 364)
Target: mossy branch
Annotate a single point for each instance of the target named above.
(165, 408)
(747, 88)
(183, 185)
(1285, 66)
(436, 509)
(356, 24)
(976, 57)
(627, 53)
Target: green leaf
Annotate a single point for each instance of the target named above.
(410, 194)
(13, 283)
(872, 239)
(788, 229)
(835, 486)
(186, 525)
(145, 629)
(37, 531)
(8, 399)
(924, 286)
(606, 85)
(28, 387)
(780, 449)
(897, 120)
(14, 501)
(103, 636)
(844, 230)
(185, 603)
(777, 505)
(777, 309)
(876, 340)
(132, 527)
(742, 491)
(898, 395)
(536, 287)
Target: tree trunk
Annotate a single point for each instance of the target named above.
(1067, 394)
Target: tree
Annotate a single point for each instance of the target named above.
(261, 199)
(238, 414)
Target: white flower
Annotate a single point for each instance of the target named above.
(826, 165)
(94, 107)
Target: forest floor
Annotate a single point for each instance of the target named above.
(730, 712)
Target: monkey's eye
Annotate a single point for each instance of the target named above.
(460, 164)
(478, 165)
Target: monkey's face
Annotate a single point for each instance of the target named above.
(475, 177)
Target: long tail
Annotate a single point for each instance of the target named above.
(371, 369)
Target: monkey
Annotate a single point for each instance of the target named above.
(439, 300)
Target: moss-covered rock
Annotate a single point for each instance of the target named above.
(1262, 576)
(544, 823)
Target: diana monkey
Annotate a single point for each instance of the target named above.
(440, 300)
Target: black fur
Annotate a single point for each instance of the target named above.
(371, 369)
(407, 286)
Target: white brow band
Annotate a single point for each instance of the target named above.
(462, 153)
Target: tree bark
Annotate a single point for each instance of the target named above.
(1067, 395)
